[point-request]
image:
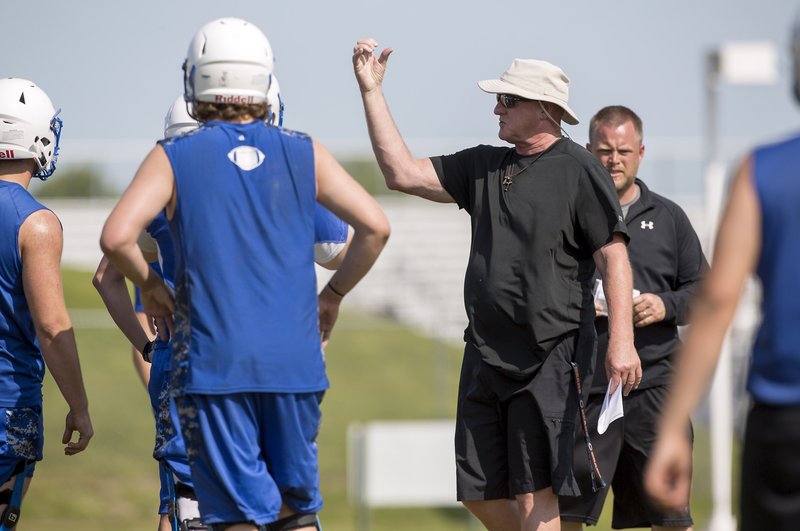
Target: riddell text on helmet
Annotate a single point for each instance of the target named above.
(234, 99)
(7, 154)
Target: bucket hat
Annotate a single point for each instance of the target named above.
(535, 80)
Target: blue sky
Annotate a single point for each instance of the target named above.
(114, 67)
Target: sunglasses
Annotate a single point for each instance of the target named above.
(508, 101)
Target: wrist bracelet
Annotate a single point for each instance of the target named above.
(147, 351)
(334, 290)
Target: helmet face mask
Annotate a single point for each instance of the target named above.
(229, 60)
(29, 125)
(275, 103)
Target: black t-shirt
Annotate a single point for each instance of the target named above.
(530, 270)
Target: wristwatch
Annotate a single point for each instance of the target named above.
(148, 348)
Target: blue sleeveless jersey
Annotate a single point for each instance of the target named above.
(775, 370)
(159, 230)
(21, 361)
(246, 302)
(327, 227)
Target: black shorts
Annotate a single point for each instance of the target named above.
(770, 486)
(621, 454)
(501, 443)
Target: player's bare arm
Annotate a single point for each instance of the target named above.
(40, 245)
(150, 192)
(342, 195)
(110, 284)
(736, 252)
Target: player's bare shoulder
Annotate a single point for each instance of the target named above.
(40, 228)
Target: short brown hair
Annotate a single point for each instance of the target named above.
(615, 115)
(206, 111)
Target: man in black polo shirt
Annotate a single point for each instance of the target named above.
(668, 263)
(544, 214)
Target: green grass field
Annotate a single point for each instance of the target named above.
(378, 370)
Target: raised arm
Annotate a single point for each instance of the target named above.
(41, 243)
(400, 169)
(736, 252)
(622, 361)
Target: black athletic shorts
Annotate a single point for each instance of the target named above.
(501, 443)
(770, 486)
(621, 454)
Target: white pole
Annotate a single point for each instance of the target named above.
(720, 407)
(721, 397)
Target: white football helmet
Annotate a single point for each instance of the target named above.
(229, 61)
(178, 120)
(29, 125)
(275, 116)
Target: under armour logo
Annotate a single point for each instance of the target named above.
(647, 225)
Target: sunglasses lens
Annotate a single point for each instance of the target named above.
(507, 100)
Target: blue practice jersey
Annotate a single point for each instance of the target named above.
(159, 230)
(246, 303)
(327, 227)
(775, 371)
(21, 361)
(330, 235)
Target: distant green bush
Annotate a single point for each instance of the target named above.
(77, 181)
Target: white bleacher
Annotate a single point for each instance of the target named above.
(418, 279)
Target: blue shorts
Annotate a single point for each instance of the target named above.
(252, 452)
(21, 438)
(169, 446)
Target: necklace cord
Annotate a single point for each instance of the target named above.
(508, 178)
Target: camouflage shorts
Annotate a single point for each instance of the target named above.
(21, 437)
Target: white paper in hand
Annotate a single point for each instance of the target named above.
(611, 409)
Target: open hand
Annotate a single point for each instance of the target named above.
(369, 70)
